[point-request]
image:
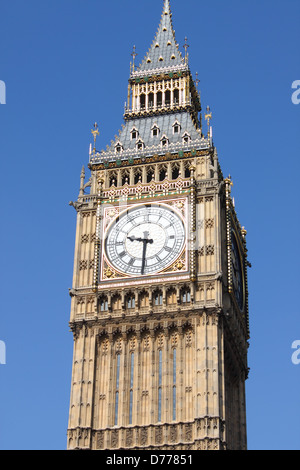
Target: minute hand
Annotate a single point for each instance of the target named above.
(145, 241)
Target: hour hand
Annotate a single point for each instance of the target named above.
(133, 238)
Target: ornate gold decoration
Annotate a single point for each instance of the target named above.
(178, 265)
(108, 273)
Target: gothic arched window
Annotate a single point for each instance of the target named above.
(130, 300)
(185, 295)
(103, 303)
(158, 297)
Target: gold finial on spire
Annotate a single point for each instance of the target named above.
(208, 117)
(186, 46)
(134, 54)
(95, 132)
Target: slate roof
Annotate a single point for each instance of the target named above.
(152, 144)
(165, 125)
(164, 52)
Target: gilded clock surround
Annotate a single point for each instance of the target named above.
(160, 361)
(180, 264)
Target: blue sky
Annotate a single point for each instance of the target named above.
(65, 64)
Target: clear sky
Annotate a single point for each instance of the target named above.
(65, 64)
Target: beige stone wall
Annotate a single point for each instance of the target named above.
(208, 333)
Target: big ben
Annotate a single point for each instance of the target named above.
(159, 301)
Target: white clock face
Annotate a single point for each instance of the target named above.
(145, 239)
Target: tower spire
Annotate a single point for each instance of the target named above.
(164, 52)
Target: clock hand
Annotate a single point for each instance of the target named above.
(145, 241)
(134, 239)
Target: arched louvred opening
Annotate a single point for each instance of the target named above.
(150, 173)
(125, 177)
(168, 98)
(138, 176)
(175, 172)
(150, 100)
(142, 101)
(162, 174)
(113, 179)
(159, 99)
(176, 97)
(187, 172)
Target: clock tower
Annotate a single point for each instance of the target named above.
(159, 308)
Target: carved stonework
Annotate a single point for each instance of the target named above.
(188, 432)
(129, 437)
(173, 433)
(100, 440)
(114, 438)
(143, 437)
(158, 435)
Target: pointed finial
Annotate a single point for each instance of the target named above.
(82, 176)
(186, 46)
(208, 117)
(134, 54)
(95, 132)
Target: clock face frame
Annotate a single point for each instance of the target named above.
(145, 239)
(238, 284)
